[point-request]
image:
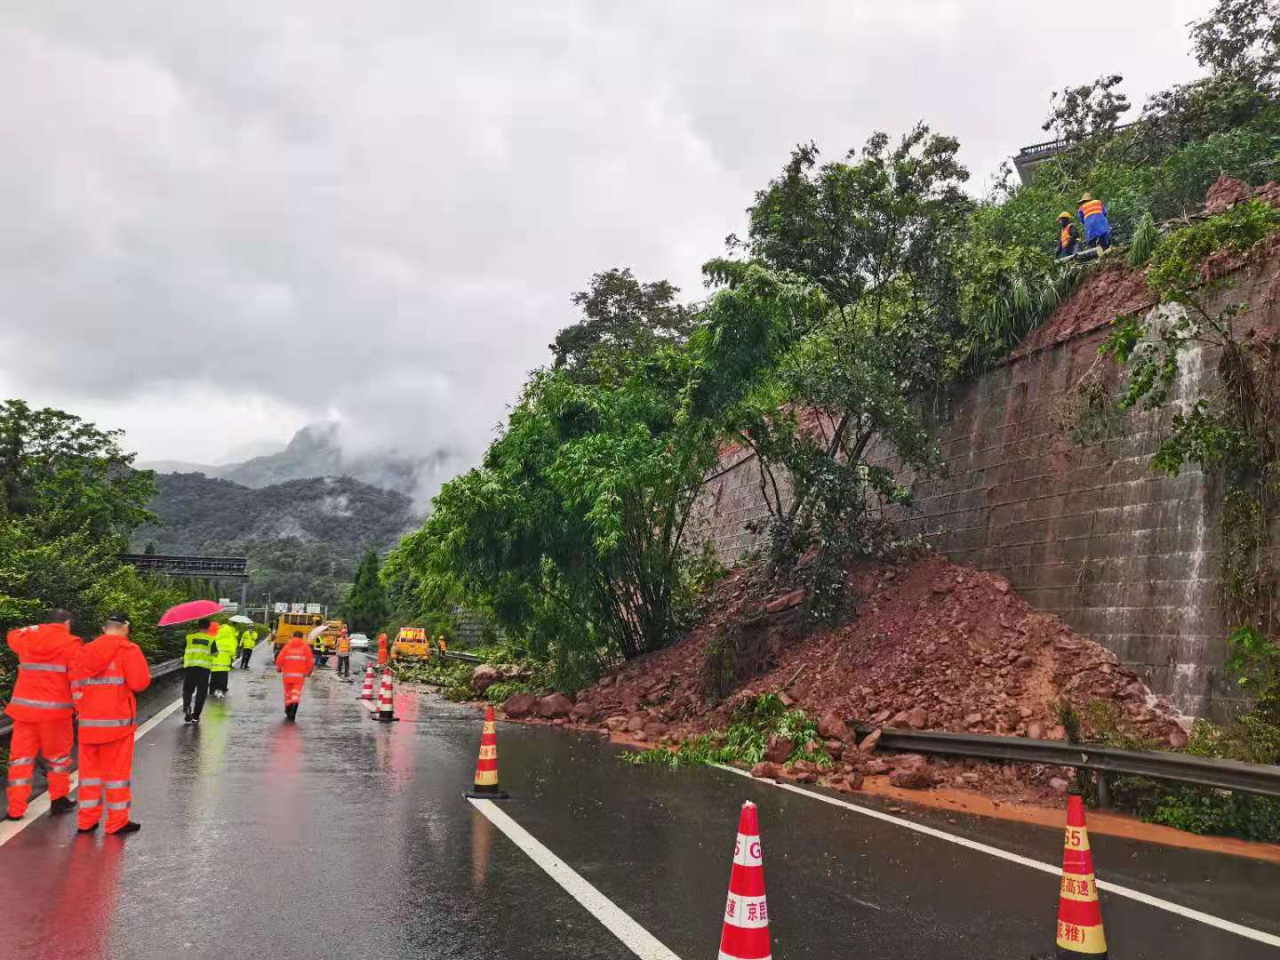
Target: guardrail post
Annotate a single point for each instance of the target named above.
(1104, 789)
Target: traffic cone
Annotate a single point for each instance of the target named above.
(486, 782)
(1079, 913)
(366, 692)
(386, 695)
(746, 918)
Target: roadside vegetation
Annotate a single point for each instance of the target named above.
(69, 503)
(756, 723)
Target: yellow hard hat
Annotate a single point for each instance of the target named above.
(1086, 198)
(1064, 215)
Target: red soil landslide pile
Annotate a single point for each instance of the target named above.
(1114, 291)
(933, 646)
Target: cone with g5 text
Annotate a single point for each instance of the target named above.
(386, 698)
(366, 692)
(745, 934)
(486, 782)
(1079, 913)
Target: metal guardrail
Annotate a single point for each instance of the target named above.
(1223, 774)
(464, 657)
(157, 671)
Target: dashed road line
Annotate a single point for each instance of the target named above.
(40, 805)
(1208, 919)
(633, 936)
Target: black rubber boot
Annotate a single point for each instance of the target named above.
(62, 805)
(130, 827)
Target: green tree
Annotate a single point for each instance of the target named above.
(365, 606)
(823, 342)
(570, 533)
(69, 501)
(622, 320)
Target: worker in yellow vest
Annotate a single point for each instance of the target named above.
(248, 640)
(220, 664)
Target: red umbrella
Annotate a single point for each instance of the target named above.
(192, 610)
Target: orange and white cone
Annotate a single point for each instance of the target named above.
(366, 692)
(386, 698)
(746, 918)
(486, 781)
(1079, 913)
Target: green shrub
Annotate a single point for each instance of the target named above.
(744, 742)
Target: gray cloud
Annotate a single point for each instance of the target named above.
(222, 225)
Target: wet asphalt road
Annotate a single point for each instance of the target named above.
(342, 837)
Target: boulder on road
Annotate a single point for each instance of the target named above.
(765, 770)
(520, 705)
(616, 723)
(636, 723)
(554, 705)
(778, 749)
(868, 744)
(832, 727)
(876, 768)
(914, 775)
(485, 676)
(584, 711)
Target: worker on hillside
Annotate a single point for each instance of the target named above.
(248, 640)
(1068, 235)
(220, 664)
(294, 663)
(41, 709)
(344, 653)
(382, 650)
(197, 658)
(1097, 229)
(108, 672)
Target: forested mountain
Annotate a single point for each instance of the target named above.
(318, 450)
(304, 538)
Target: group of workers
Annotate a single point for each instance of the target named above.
(207, 660)
(1097, 229)
(63, 680)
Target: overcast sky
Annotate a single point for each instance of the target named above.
(224, 220)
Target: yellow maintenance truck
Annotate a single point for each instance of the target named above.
(332, 631)
(411, 642)
(295, 625)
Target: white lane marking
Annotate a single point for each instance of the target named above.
(633, 936)
(1206, 918)
(38, 807)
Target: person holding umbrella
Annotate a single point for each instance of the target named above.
(197, 660)
(248, 640)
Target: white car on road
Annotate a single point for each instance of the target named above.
(359, 641)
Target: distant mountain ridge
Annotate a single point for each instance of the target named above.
(317, 451)
(303, 538)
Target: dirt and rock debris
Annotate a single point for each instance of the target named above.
(931, 646)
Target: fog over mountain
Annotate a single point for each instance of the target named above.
(322, 450)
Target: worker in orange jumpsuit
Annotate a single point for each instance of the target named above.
(294, 663)
(108, 672)
(382, 649)
(41, 709)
